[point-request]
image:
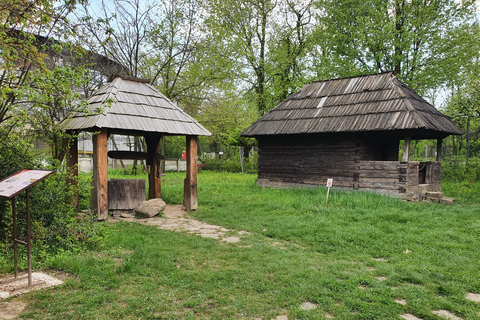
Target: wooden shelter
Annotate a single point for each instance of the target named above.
(132, 106)
(350, 130)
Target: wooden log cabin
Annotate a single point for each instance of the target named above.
(350, 130)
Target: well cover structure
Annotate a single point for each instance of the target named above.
(132, 106)
(350, 130)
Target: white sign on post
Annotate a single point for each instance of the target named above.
(329, 184)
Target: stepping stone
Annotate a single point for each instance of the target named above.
(308, 306)
(282, 317)
(328, 315)
(401, 301)
(126, 215)
(446, 314)
(381, 278)
(475, 297)
(380, 259)
(231, 239)
(408, 316)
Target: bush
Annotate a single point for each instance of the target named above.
(461, 169)
(55, 224)
(230, 164)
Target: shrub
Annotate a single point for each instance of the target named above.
(55, 224)
(461, 169)
(230, 164)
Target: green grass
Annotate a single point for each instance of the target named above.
(327, 255)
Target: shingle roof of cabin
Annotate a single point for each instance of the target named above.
(359, 104)
(137, 106)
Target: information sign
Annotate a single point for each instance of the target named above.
(20, 181)
(9, 188)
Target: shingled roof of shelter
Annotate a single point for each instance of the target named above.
(369, 103)
(137, 107)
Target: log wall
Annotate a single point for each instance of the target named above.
(349, 161)
(309, 164)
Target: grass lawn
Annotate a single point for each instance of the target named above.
(353, 259)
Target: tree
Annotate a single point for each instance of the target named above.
(119, 30)
(426, 43)
(269, 40)
(52, 97)
(244, 26)
(226, 117)
(186, 62)
(289, 45)
(25, 28)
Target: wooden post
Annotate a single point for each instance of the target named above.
(162, 162)
(72, 166)
(100, 179)
(439, 150)
(154, 180)
(406, 149)
(190, 199)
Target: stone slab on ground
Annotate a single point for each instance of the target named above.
(10, 286)
(446, 314)
(475, 297)
(11, 310)
(447, 200)
(408, 316)
(308, 306)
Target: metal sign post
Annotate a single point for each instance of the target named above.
(9, 188)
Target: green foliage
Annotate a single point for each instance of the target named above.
(230, 163)
(174, 146)
(21, 51)
(55, 224)
(426, 44)
(460, 169)
(226, 118)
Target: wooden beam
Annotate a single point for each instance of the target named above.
(439, 150)
(406, 149)
(133, 155)
(100, 179)
(154, 179)
(190, 197)
(72, 165)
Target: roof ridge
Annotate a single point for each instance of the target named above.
(332, 95)
(352, 77)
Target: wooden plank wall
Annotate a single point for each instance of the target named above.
(433, 173)
(412, 173)
(312, 161)
(382, 175)
(310, 164)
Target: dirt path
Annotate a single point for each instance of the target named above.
(173, 218)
